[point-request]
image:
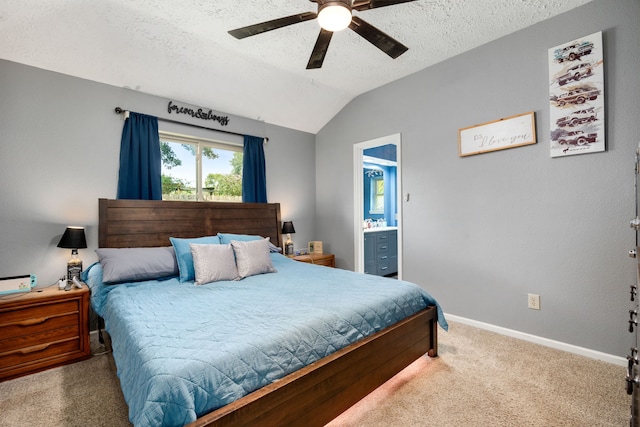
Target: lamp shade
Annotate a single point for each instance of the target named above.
(73, 238)
(287, 227)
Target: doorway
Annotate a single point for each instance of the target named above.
(369, 157)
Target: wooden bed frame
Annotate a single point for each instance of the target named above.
(311, 396)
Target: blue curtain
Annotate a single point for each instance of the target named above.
(140, 161)
(254, 181)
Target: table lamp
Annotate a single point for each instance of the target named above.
(74, 239)
(287, 228)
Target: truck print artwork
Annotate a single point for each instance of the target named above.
(576, 97)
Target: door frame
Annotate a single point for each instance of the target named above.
(358, 196)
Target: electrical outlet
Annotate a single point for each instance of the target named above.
(533, 301)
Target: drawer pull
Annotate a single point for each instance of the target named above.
(383, 257)
(34, 321)
(39, 347)
(34, 348)
(383, 268)
(37, 320)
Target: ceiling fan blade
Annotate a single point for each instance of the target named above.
(263, 27)
(382, 41)
(372, 4)
(320, 49)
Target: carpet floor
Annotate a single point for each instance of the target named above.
(479, 379)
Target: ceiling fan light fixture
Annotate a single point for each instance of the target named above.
(335, 15)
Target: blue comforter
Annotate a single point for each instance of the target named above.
(182, 350)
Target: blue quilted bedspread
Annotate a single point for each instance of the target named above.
(183, 350)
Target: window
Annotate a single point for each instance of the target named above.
(200, 169)
(377, 195)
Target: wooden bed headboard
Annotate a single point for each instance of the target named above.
(150, 223)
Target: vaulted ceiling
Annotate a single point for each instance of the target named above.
(181, 49)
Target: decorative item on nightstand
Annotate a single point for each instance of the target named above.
(287, 228)
(74, 239)
(315, 247)
(24, 283)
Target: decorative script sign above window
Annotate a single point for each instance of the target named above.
(198, 114)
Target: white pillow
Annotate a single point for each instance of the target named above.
(252, 257)
(213, 263)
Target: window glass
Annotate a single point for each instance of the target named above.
(178, 170)
(222, 176)
(200, 169)
(377, 195)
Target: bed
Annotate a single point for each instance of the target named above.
(164, 333)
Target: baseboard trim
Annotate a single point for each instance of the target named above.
(593, 354)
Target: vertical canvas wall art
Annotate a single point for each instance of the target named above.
(576, 95)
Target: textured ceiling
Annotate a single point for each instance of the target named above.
(180, 49)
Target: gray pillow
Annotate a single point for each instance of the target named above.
(252, 257)
(133, 264)
(213, 263)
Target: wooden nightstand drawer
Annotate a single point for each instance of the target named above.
(38, 323)
(44, 352)
(42, 329)
(32, 313)
(66, 327)
(328, 260)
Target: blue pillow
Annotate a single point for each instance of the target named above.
(184, 257)
(226, 238)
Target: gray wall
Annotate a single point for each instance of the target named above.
(479, 232)
(59, 153)
(483, 231)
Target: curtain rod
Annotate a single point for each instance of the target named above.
(119, 110)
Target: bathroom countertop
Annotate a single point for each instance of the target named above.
(373, 229)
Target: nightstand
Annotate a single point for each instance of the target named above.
(43, 329)
(319, 259)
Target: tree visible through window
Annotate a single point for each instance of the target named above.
(199, 169)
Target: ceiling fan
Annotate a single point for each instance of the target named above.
(334, 15)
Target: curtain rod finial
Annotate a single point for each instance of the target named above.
(119, 110)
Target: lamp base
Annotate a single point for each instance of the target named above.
(74, 268)
(288, 246)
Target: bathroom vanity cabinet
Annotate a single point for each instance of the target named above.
(381, 251)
